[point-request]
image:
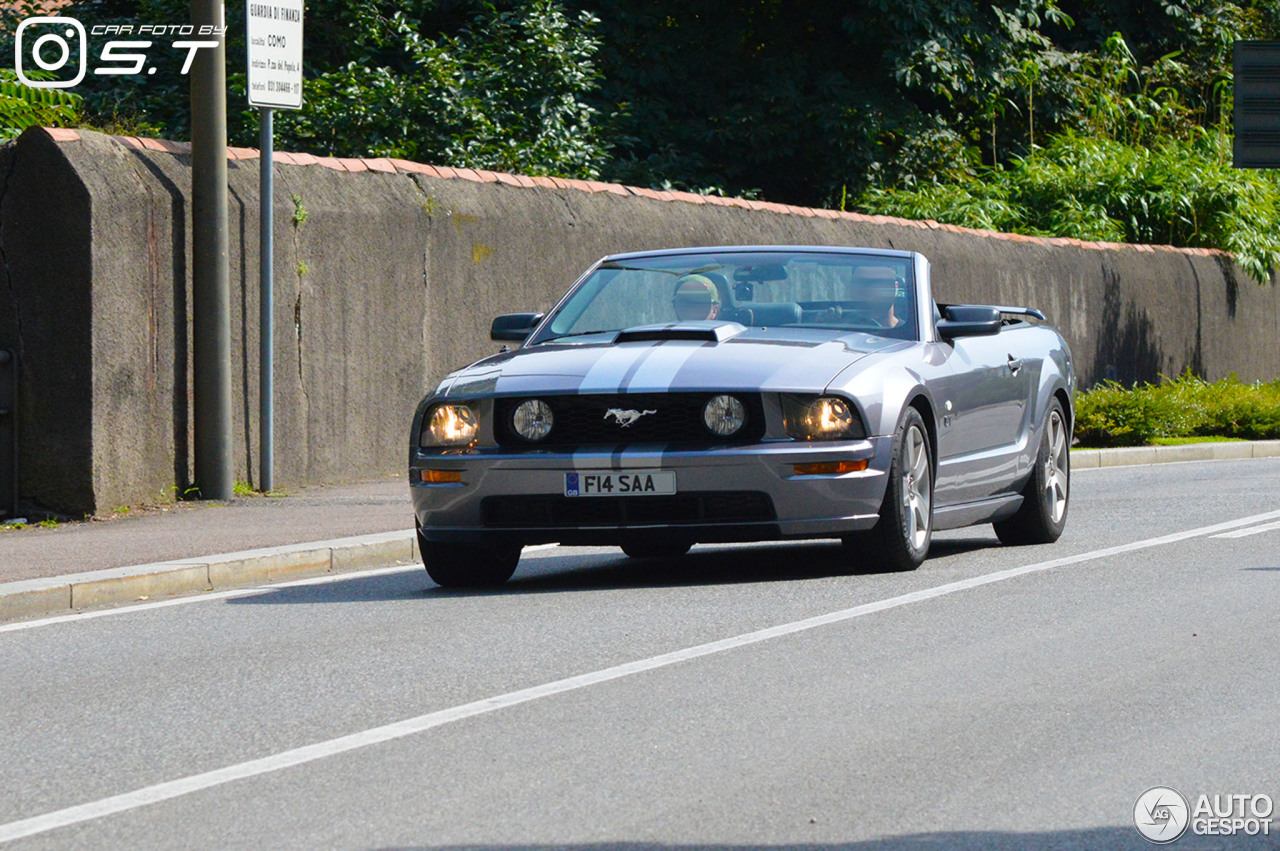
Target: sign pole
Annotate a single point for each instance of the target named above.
(274, 30)
(266, 342)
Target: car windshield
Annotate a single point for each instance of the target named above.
(839, 291)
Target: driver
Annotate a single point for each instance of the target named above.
(877, 287)
(695, 298)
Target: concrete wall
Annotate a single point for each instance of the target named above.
(392, 279)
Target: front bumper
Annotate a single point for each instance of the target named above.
(802, 506)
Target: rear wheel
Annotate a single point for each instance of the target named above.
(900, 539)
(469, 565)
(1045, 499)
(656, 548)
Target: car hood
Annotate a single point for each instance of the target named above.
(799, 360)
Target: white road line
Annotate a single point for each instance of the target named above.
(231, 594)
(411, 726)
(1254, 530)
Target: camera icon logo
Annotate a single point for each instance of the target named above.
(1161, 815)
(56, 41)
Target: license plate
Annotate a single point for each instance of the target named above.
(620, 483)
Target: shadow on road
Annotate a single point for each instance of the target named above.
(1083, 839)
(574, 570)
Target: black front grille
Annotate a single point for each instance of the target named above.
(580, 419)
(541, 511)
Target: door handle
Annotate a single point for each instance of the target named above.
(1015, 364)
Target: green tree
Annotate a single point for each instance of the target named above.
(491, 85)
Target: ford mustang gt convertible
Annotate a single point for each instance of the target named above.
(745, 394)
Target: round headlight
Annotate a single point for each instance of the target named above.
(827, 416)
(724, 415)
(821, 418)
(532, 419)
(451, 425)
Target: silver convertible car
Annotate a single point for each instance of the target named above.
(745, 394)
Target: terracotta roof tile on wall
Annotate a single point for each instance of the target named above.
(394, 165)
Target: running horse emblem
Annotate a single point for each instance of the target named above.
(626, 418)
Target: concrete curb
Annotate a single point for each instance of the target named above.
(1131, 456)
(64, 594)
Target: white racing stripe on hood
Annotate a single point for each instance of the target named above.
(660, 368)
(607, 373)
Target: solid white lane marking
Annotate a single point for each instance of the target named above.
(377, 735)
(231, 594)
(1253, 530)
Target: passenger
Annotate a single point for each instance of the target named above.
(876, 288)
(695, 298)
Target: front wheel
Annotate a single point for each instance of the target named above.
(1043, 514)
(900, 539)
(469, 565)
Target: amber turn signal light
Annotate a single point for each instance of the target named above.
(830, 468)
(442, 477)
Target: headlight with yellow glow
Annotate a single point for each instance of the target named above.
(821, 418)
(450, 425)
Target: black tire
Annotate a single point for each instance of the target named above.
(469, 565)
(656, 548)
(900, 539)
(1047, 496)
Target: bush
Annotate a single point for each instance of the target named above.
(1188, 406)
(1174, 192)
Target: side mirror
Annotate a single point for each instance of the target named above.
(969, 320)
(515, 327)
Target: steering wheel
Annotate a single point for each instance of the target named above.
(859, 316)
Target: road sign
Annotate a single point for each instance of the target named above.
(274, 29)
(1257, 104)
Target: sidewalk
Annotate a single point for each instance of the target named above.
(167, 550)
(194, 529)
(193, 547)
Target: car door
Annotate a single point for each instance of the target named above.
(985, 405)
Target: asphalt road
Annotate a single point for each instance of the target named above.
(739, 697)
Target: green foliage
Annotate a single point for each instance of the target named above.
(299, 211)
(22, 106)
(1111, 415)
(801, 99)
(488, 85)
(501, 92)
(1174, 192)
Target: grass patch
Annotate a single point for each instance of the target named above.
(1186, 408)
(1184, 441)
(246, 489)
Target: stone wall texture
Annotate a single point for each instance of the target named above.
(388, 274)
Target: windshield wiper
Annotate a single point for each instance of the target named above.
(579, 334)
